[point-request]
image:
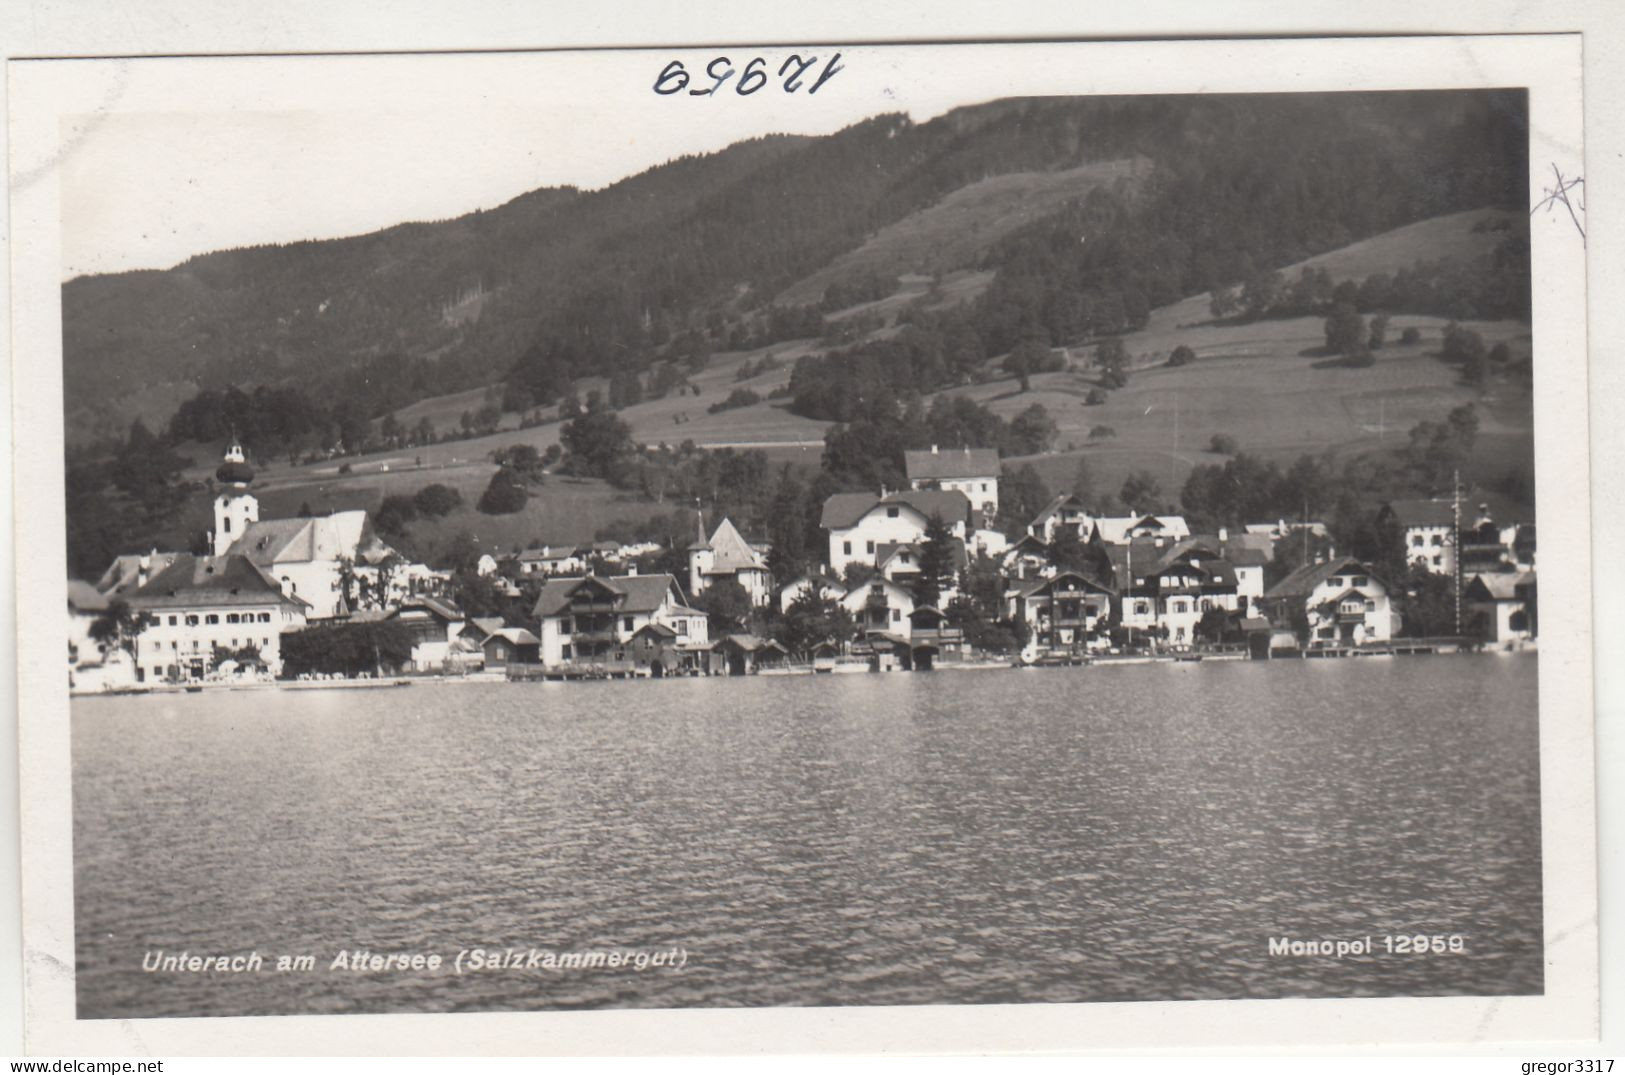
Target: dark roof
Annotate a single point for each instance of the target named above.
(951, 463)
(1410, 513)
(1056, 506)
(1302, 582)
(83, 597)
(843, 510)
(211, 580)
(444, 609)
(638, 593)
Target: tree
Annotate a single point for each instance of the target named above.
(936, 562)
(436, 499)
(1022, 495)
(1345, 329)
(1096, 397)
(1083, 480)
(812, 620)
(1224, 444)
(1141, 492)
(599, 444)
(1026, 358)
(506, 493)
(118, 625)
(1411, 335)
(727, 607)
(1181, 356)
(1379, 332)
(1032, 431)
(1112, 358)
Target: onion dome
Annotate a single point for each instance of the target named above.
(235, 470)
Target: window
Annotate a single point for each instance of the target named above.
(984, 487)
(1370, 606)
(172, 620)
(871, 548)
(1418, 539)
(846, 547)
(211, 618)
(1438, 561)
(1438, 539)
(564, 627)
(896, 614)
(564, 651)
(265, 617)
(1140, 608)
(1179, 606)
(682, 627)
(191, 621)
(226, 524)
(1335, 580)
(1362, 580)
(231, 617)
(626, 623)
(891, 513)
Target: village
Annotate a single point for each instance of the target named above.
(1075, 588)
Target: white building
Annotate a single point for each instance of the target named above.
(1338, 602)
(727, 555)
(1428, 529)
(200, 604)
(880, 605)
(826, 588)
(1065, 512)
(1119, 530)
(972, 471)
(593, 619)
(306, 556)
(860, 523)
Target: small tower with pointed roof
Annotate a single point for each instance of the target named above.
(235, 508)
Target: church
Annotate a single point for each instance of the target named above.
(307, 557)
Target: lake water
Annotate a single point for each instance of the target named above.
(1073, 834)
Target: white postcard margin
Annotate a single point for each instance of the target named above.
(42, 93)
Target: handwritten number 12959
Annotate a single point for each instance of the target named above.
(794, 73)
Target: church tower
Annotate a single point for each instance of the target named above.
(235, 508)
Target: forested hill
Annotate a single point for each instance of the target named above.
(682, 259)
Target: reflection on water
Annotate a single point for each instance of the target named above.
(1128, 833)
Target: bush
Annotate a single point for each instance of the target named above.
(436, 500)
(505, 494)
(1361, 358)
(1096, 397)
(1224, 444)
(1102, 432)
(739, 397)
(1411, 335)
(1181, 356)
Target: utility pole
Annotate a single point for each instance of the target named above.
(1455, 543)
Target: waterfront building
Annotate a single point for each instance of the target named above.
(1339, 601)
(1063, 611)
(434, 624)
(1168, 588)
(859, 523)
(1506, 599)
(972, 471)
(880, 605)
(93, 665)
(593, 619)
(128, 573)
(727, 555)
(202, 604)
(1427, 529)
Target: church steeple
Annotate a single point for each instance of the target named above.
(235, 509)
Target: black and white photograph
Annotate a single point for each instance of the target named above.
(810, 527)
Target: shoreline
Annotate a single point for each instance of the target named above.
(1104, 661)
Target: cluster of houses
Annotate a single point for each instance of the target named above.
(1128, 582)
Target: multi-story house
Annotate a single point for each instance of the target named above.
(880, 606)
(1427, 529)
(860, 523)
(593, 619)
(1063, 611)
(727, 555)
(200, 604)
(1334, 602)
(1166, 589)
(972, 471)
(1065, 512)
(1119, 530)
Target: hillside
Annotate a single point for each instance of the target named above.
(560, 284)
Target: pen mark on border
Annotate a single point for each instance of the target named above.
(1558, 194)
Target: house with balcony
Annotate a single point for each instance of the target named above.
(1064, 611)
(972, 471)
(1164, 590)
(932, 638)
(1065, 512)
(880, 605)
(1336, 602)
(593, 619)
(859, 524)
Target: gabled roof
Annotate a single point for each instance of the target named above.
(842, 511)
(443, 609)
(486, 626)
(1114, 530)
(517, 636)
(1064, 502)
(342, 535)
(1302, 582)
(211, 580)
(636, 593)
(1429, 513)
(1077, 578)
(1497, 586)
(123, 574)
(948, 463)
(656, 629)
